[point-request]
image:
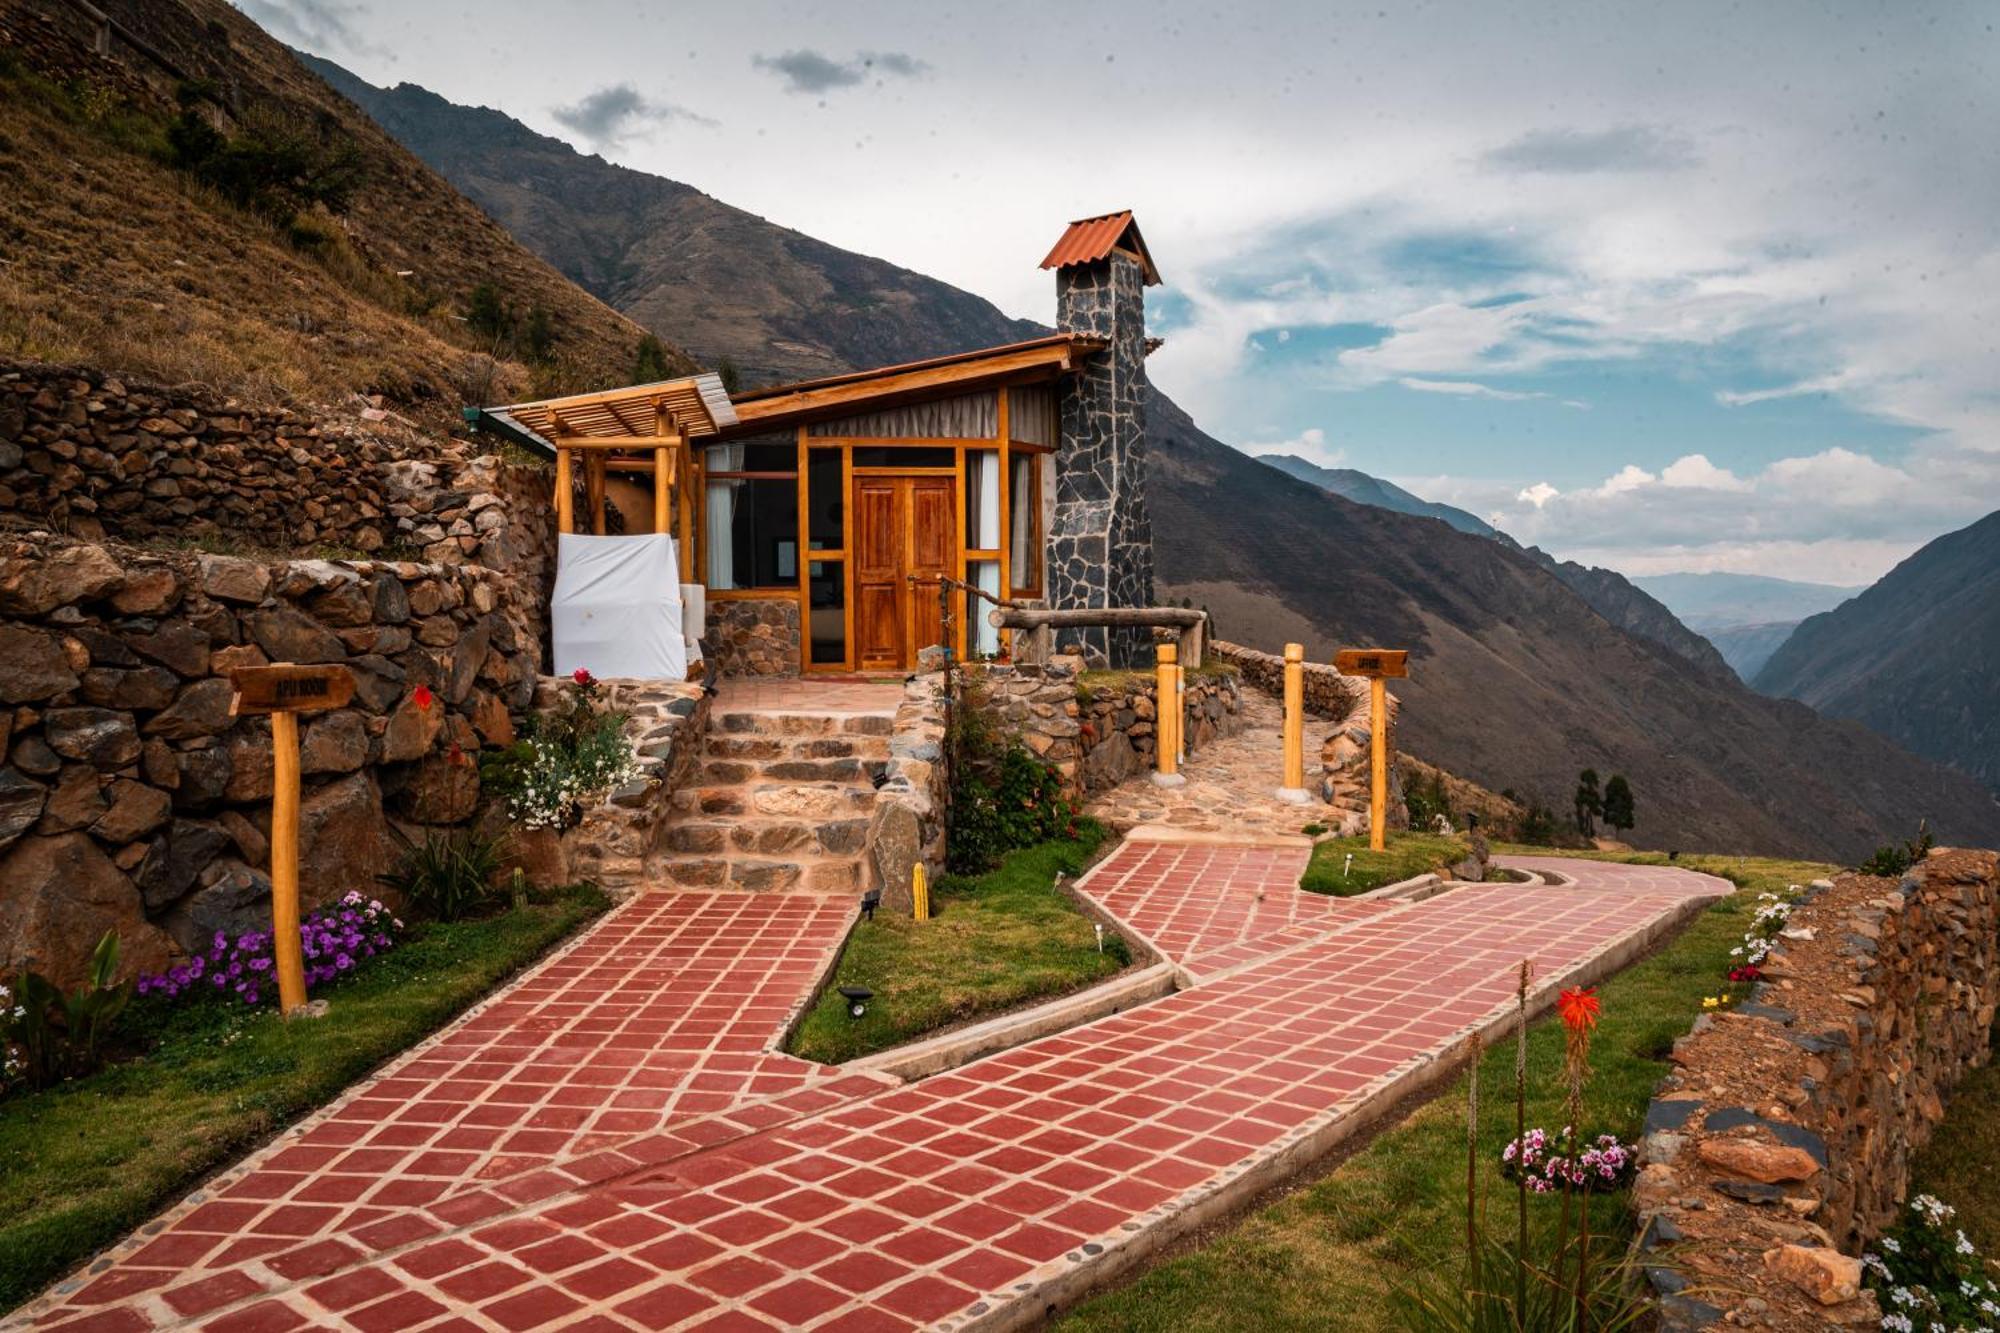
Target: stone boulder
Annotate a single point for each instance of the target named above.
(21, 801)
(202, 709)
(33, 666)
(335, 742)
(57, 898)
(229, 579)
(174, 862)
(36, 586)
(97, 736)
(344, 840)
(287, 636)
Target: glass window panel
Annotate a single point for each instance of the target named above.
(827, 499)
(1025, 511)
(904, 455)
(826, 583)
(752, 531)
(982, 499)
(753, 456)
(982, 637)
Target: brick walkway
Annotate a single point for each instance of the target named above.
(612, 1144)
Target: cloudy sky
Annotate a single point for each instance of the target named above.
(1656, 286)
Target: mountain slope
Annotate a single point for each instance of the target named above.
(121, 253)
(1714, 601)
(1517, 681)
(1916, 657)
(1748, 647)
(1614, 597)
(776, 303)
(1364, 489)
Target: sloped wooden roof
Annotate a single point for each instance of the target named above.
(695, 405)
(1088, 240)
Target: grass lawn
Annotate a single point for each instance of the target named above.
(995, 941)
(83, 1163)
(1958, 1165)
(1405, 856)
(1332, 1254)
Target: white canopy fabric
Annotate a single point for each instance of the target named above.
(617, 607)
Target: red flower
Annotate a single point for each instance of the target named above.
(422, 697)
(1746, 972)
(1579, 1007)
(582, 676)
(456, 755)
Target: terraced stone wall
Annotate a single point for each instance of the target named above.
(1781, 1143)
(131, 799)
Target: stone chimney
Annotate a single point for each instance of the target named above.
(1101, 540)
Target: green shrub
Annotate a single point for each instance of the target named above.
(278, 163)
(449, 875)
(48, 1036)
(1890, 860)
(1002, 796)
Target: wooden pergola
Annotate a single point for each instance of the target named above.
(643, 430)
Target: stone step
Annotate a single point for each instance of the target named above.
(850, 772)
(691, 871)
(755, 747)
(774, 800)
(801, 724)
(766, 837)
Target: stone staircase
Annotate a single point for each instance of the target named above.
(782, 801)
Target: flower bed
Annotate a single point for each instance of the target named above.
(335, 940)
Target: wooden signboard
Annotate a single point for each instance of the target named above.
(284, 690)
(1377, 663)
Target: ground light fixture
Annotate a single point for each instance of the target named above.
(869, 902)
(857, 998)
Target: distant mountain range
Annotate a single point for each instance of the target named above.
(1746, 616)
(1916, 657)
(1525, 670)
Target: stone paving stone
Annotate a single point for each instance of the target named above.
(860, 1205)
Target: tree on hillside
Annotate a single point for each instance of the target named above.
(731, 377)
(1589, 803)
(1618, 803)
(649, 362)
(538, 334)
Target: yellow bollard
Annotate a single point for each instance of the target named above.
(1166, 718)
(920, 893)
(1294, 788)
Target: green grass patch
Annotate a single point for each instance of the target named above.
(1961, 1163)
(1333, 1254)
(83, 1163)
(1406, 855)
(995, 941)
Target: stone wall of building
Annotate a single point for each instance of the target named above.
(1781, 1142)
(753, 636)
(131, 799)
(1345, 774)
(1098, 729)
(1101, 542)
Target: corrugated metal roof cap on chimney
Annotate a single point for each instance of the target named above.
(1087, 240)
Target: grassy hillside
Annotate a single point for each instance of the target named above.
(218, 215)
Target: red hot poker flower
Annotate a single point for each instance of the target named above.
(422, 697)
(582, 676)
(1579, 1007)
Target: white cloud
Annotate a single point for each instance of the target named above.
(1817, 384)
(1466, 389)
(1537, 495)
(1695, 472)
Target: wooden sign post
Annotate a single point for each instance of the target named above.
(1378, 665)
(284, 691)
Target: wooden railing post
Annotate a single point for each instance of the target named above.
(1294, 788)
(1166, 718)
(565, 499)
(1378, 762)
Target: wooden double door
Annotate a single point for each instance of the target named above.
(904, 525)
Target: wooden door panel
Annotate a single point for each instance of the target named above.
(932, 554)
(877, 549)
(878, 628)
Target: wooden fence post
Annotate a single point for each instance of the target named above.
(1294, 788)
(1378, 762)
(1166, 718)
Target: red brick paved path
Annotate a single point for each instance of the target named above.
(612, 1144)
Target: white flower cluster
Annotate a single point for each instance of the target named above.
(1934, 1283)
(558, 787)
(1762, 937)
(10, 1064)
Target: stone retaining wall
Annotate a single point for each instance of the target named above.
(907, 825)
(753, 636)
(1344, 767)
(1098, 729)
(130, 799)
(1781, 1143)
